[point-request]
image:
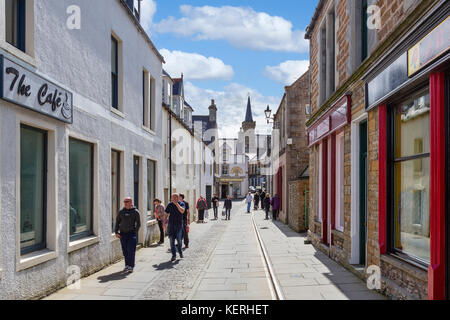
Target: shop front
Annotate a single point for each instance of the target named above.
(410, 90)
(326, 139)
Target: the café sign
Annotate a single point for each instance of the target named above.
(27, 89)
(436, 43)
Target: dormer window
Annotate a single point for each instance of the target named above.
(135, 7)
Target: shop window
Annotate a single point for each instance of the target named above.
(151, 188)
(410, 218)
(115, 185)
(81, 182)
(320, 184)
(15, 23)
(33, 186)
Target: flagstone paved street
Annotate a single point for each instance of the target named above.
(225, 262)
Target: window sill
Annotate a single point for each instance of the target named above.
(419, 271)
(148, 130)
(35, 258)
(82, 243)
(117, 112)
(18, 53)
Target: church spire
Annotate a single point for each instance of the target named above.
(249, 115)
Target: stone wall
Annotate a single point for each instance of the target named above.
(297, 204)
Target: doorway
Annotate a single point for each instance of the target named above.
(136, 171)
(363, 166)
(224, 189)
(208, 196)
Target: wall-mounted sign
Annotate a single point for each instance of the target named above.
(436, 43)
(392, 77)
(27, 89)
(334, 119)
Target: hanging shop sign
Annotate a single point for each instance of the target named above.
(29, 90)
(334, 119)
(433, 45)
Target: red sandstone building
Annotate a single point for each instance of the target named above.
(379, 140)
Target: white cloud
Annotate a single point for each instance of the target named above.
(148, 10)
(231, 104)
(243, 27)
(194, 66)
(288, 71)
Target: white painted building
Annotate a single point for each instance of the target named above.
(233, 166)
(189, 168)
(65, 165)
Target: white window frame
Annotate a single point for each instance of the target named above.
(28, 55)
(320, 216)
(120, 149)
(340, 180)
(27, 261)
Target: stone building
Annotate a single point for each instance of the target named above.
(290, 157)
(79, 136)
(377, 137)
(256, 148)
(233, 175)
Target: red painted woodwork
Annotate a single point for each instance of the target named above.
(333, 184)
(325, 191)
(436, 271)
(335, 118)
(382, 163)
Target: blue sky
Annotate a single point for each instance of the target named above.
(227, 49)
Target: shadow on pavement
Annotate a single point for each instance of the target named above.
(113, 277)
(165, 265)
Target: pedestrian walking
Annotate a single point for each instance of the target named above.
(275, 202)
(175, 209)
(249, 201)
(215, 203)
(266, 202)
(186, 221)
(263, 197)
(161, 217)
(256, 198)
(227, 206)
(201, 207)
(128, 222)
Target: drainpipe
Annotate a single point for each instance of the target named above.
(170, 153)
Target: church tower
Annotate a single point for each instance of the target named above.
(248, 124)
(247, 134)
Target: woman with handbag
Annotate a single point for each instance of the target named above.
(201, 207)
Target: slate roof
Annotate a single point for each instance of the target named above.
(188, 105)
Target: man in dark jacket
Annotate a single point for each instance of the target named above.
(228, 205)
(215, 203)
(128, 222)
(175, 209)
(256, 199)
(262, 198)
(186, 221)
(266, 203)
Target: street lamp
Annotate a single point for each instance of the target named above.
(268, 113)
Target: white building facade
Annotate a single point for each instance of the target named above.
(79, 131)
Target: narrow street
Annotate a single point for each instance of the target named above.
(225, 262)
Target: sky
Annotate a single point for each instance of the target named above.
(229, 49)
